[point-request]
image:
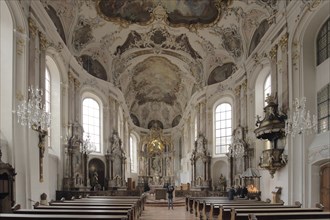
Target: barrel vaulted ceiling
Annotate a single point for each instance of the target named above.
(160, 52)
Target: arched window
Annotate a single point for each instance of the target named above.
(48, 101)
(223, 128)
(133, 153)
(323, 107)
(267, 88)
(53, 104)
(92, 122)
(323, 43)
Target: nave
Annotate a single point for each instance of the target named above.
(204, 95)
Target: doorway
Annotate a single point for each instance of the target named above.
(325, 186)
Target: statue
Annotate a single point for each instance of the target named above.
(94, 180)
(222, 183)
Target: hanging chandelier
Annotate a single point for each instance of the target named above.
(301, 120)
(32, 113)
(87, 146)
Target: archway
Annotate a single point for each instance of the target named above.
(96, 167)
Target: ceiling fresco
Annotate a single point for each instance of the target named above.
(158, 53)
(178, 12)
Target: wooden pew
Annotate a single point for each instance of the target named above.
(134, 211)
(284, 216)
(204, 210)
(142, 198)
(100, 200)
(192, 202)
(59, 216)
(223, 211)
(235, 211)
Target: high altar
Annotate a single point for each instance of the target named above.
(156, 155)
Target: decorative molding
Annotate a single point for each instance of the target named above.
(318, 153)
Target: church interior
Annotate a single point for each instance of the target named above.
(120, 98)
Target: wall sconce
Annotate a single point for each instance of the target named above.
(32, 113)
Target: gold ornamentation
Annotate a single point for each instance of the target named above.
(284, 40)
(33, 29)
(20, 43)
(19, 96)
(238, 90)
(44, 43)
(76, 84)
(273, 52)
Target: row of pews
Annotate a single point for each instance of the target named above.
(220, 208)
(91, 207)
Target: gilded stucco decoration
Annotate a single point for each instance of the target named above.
(159, 39)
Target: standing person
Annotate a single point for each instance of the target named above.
(170, 190)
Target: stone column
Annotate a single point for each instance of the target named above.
(243, 106)
(237, 111)
(285, 73)
(33, 52)
(273, 65)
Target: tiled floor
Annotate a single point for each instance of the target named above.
(154, 213)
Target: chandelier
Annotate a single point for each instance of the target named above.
(236, 151)
(301, 121)
(32, 113)
(87, 146)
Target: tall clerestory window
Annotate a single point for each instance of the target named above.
(323, 108)
(48, 101)
(267, 88)
(133, 153)
(92, 123)
(323, 43)
(223, 128)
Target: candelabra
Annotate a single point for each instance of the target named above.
(32, 113)
(301, 120)
(86, 148)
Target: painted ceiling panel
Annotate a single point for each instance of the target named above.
(158, 53)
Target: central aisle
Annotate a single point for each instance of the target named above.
(154, 212)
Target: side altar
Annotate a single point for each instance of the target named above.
(156, 158)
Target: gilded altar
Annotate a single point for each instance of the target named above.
(156, 159)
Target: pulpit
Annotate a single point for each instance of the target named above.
(7, 174)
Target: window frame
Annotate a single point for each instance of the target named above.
(321, 36)
(218, 151)
(268, 89)
(48, 101)
(133, 153)
(99, 148)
